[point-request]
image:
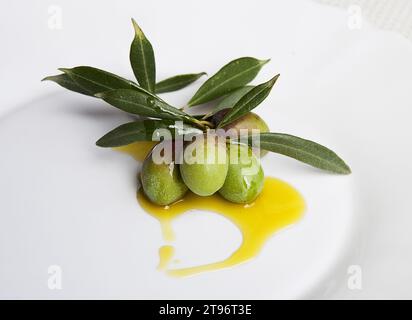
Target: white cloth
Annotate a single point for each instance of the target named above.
(392, 15)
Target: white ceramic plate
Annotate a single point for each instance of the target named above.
(68, 203)
(71, 204)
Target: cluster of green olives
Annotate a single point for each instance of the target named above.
(206, 166)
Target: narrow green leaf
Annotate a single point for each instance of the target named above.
(230, 100)
(177, 82)
(94, 80)
(303, 150)
(142, 59)
(233, 75)
(142, 130)
(140, 103)
(249, 101)
(66, 82)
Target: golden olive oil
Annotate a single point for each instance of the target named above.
(278, 206)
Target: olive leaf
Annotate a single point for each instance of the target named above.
(95, 80)
(233, 75)
(249, 101)
(143, 130)
(142, 59)
(300, 149)
(230, 100)
(140, 103)
(177, 82)
(66, 82)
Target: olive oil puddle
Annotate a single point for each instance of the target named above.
(278, 206)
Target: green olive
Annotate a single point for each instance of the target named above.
(249, 121)
(244, 180)
(162, 182)
(205, 165)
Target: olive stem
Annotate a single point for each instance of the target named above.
(207, 123)
(202, 124)
(199, 124)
